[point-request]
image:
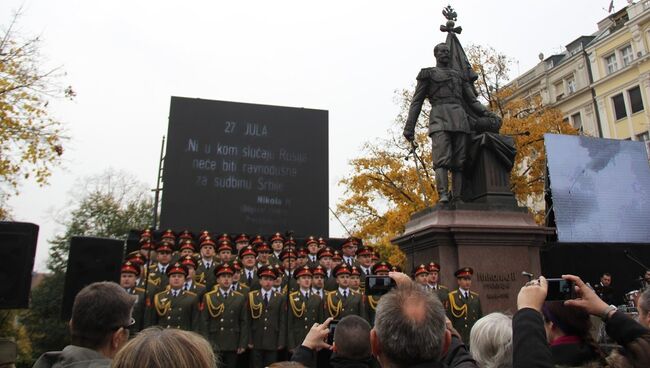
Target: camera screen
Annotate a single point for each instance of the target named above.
(560, 289)
(378, 285)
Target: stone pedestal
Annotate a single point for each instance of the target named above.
(498, 242)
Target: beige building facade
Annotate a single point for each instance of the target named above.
(600, 82)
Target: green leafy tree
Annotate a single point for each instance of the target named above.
(107, 205)
(31, 140)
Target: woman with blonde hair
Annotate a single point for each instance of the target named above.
(162, 348)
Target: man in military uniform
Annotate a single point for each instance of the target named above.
(206, 264)
(268, 320)
(236, 285)
(190, 285)
(174, 307)
(225, 317)
(248, 258)
(421, 275)
(303, 257)
(364, 257)
(277, 244)
(241, 242)
(325, 259)
(128, 280)
(464, 305)
(288, 258)
(158, 271)
(343, 301)
(312, 248)
(263, 251)
(224, 251)
(379, 269)
(318, 282)
(355, 280)
(139, 261)
(186, 248)
(278, 283)
(434, 284)
(349, 249)
(337, 259)
(449, 126)
(305, 308)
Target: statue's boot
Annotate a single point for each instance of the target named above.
(457, 186)
(442, 185)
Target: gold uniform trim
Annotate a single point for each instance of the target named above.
(456, 311)
(333, 310)
(298, 312)
(256, 309)
(372, 302)
(215, 311)
(162, 307)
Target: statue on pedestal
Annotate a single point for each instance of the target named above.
(456, 115)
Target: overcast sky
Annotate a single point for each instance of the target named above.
(126, 58)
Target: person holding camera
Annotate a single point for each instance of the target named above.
(530, 346)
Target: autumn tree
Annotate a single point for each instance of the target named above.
(31, 140)
(107, 205)
(384, 189)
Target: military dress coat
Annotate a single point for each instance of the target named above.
(205, 275)
(464, 312)
(337, 306)
(168, 311)
(138, 313)
(267, 321)
(303, 313)
(225, 320)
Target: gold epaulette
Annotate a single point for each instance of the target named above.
(473, 293)
(293, 293)
(139, 289)
(456, 311)
(214, 310)
(453, 292)
(162, 305)
(443, 287)
(235, 292)
(297, 311)
(199, 284)
(190, 292)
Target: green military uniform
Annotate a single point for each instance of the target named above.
(371, 307)
(337, 306)
(464, 312)
(254, 282)
(241, 287)
(330, 282)
(169, 311)
(442, 292)
(268, 326)
(158, 279)
(226, 323)
(196, 288)
(139, 309)
(305, 311)
(205, 275)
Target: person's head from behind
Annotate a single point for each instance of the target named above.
(491, 341)
(643, 306)
(161, 348)
(561, 320)
(101, 315)
(352, 338)
(406, 317)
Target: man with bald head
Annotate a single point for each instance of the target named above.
(407, 314)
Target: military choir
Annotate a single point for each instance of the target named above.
(254, 299)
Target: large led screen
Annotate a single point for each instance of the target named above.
(600, 189)
(238, 167)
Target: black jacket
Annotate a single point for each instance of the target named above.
(530, 349)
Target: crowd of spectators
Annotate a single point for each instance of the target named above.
(410, 330)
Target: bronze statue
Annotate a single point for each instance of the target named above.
(455, 112)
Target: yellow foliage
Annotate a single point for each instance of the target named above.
(31, 141)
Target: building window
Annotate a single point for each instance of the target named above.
(576, 121)
(571, 84)
(636, 101)
(626, 55)
(645, 136)
(619, 106)
(610, 62)
(559, 90)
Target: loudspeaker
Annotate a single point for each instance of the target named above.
(90, 260)
(17, 251)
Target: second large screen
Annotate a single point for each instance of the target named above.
(235, 167)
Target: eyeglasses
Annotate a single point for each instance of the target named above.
(126, 327)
